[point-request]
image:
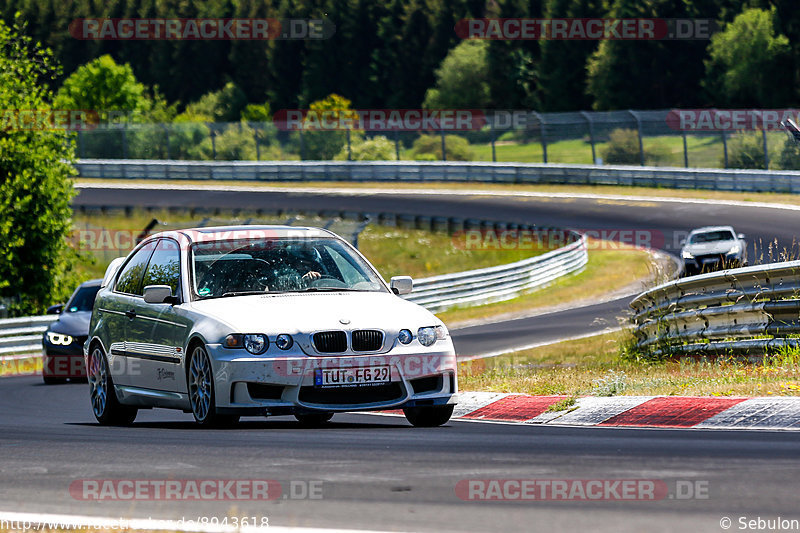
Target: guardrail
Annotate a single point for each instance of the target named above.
(538, 173)
(504, 282)
(23, 335)
(749, 310)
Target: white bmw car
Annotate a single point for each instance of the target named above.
(262, 320)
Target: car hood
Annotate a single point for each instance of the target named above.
(707, 248)
(73, 324)
(306, 312)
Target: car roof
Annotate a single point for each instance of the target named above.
(224, 233)
(91, 283)
(707, 229)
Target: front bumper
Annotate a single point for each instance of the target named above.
(63, 361)
(246, 384)
(711, 263)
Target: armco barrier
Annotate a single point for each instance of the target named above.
(24, 334)
(412, 171)
(499, 283)
(750, 310)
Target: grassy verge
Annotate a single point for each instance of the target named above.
(614, 190)
(593, 366)
(611, 267)
(393, 251)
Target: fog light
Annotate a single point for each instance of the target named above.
(284, 341)
(405, 336)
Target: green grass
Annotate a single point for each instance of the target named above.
(593, 366)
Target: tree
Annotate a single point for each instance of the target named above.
(102, 85)
(462, 79)
(35, 188)
(747, 60)
(225, 105)
(321, 141)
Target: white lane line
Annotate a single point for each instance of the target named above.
(434, 192)
(513, 349)
(41, 521)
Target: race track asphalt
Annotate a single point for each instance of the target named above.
(376, 471)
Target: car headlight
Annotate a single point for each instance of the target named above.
(405, 336)
(426, 336)
(687, 255)
(256, 344)
(58, 338)
(441, 333)
(735, 249)
(284, 341)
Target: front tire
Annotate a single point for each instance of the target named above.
(105, 405)
(428, 417)
(201, 392)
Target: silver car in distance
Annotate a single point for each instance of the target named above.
(262, 320)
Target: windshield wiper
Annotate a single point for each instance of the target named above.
(241, 293)
(329, 289)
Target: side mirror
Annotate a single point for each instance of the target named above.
(159, 294)
(55, 309)
(401, 284)
(740, 236)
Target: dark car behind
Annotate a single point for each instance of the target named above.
(62, 356)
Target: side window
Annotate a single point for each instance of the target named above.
(130, 279)
(164, 267)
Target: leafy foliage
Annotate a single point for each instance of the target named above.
(429, 148)
(622, 148)
(747, 60)
(378, 148)
(746, 150)
(462, 79)
(35, 188)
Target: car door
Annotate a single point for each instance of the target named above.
(155, 335)
(118, 311)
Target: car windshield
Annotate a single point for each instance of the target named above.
(82, 300)
(712, 236)
(237, 267)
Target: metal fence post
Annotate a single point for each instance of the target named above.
(542, 135)
(588, 118)
(494, 135)
(444, 146)
(349, 147)
(639, 133)
(766, 153)
(125, 142)
(80, 145)
(397, 144)
(258, 148)
(213, 145)
(302, 146)
(685, 150)
(725, 148)
(166, 135)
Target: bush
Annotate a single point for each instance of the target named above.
(745, 150)
(378, 148)
(429, 148)
(622, 148)
(789, 158)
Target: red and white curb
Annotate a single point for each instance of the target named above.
(634, 411)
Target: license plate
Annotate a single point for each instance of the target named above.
(352, 377)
